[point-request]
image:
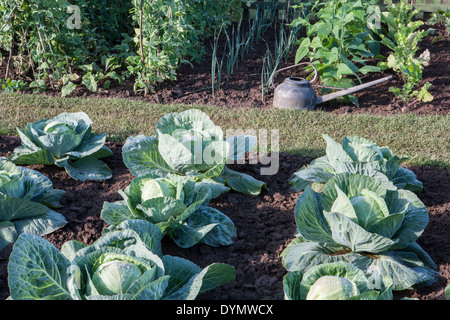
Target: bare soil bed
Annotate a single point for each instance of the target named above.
(265, 225)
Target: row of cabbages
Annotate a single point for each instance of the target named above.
(357, 220)
(178, 171)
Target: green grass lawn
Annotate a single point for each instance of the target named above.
(425, 139)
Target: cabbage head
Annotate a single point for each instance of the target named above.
(27, 198)
(178, 206)
(66, 141)
(355, 218)
(334, 281)
(356, 155)
(188, 143)
(123, 264)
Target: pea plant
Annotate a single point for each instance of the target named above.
(338, 41)
(402, 35)
(170, 33)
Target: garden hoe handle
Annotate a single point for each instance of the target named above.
(338, 94)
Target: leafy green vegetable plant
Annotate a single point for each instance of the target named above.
(338, 42)
(356, 155)
(45, 51)
(66, 141)
(169, 33)
(125, 263)
(356, 219)
(178, 206)
(188, 143)
(333, 281)
(27, 198)
(442, 17)
(401, 35)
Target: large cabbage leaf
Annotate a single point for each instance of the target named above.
(27, 198)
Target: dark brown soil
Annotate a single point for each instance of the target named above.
(265, 225)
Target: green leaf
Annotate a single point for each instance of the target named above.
(161, 209)
(40, 225)
(302, 50)
(206, 225)
(424, 95)
(90, 82)
(37, 270)
(319, 173)
(366, 69)
(25, 156)
(8, 234)
(335, 152)
(351, 185)
(300, 255)
(141, 156)
(16, 208)
(291, 285)
(90, 144)
(88, 168)
(148, 233)
(361, 149)
(187, 280)
(242, 182)
(343, 70)
(353, 236)
(404, 267)
(68, 89)
(115, 213)
(309, 218)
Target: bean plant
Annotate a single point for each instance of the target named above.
(338, 41)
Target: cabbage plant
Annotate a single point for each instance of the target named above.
(334, 281)
(357, 219)
(356, 155)
(188, 143)
(27, 198)
(123, 264)
(178, 206)
(66, 141)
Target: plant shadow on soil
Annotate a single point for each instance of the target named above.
(265, 225)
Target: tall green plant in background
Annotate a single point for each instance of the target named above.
(338, 41)
(171, 32)
(402, 36)
(44, 50)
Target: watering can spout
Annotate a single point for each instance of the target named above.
(354, 89)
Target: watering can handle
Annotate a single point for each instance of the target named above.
(302, 63)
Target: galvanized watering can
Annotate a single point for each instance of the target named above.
(297, 93)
